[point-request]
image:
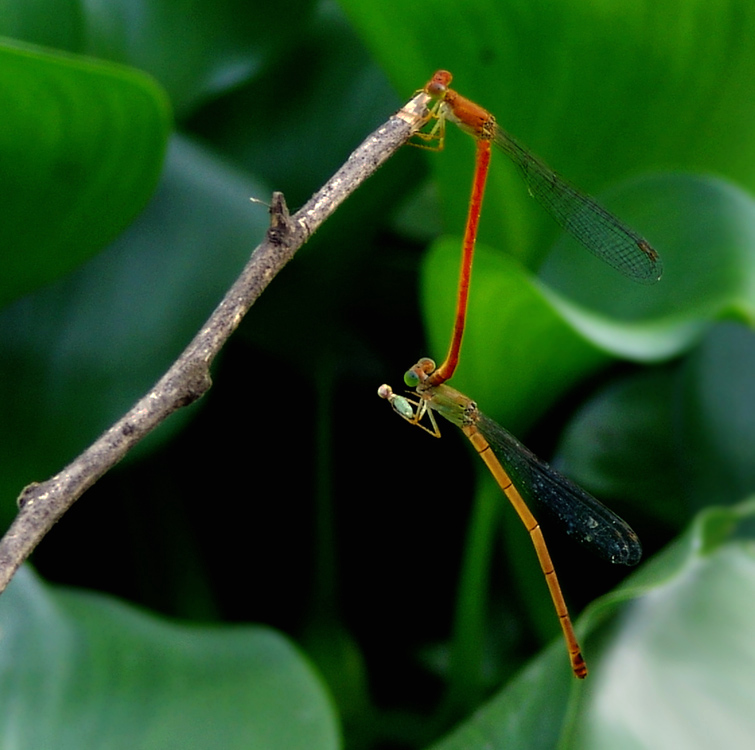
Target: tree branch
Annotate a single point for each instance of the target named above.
(42, 504)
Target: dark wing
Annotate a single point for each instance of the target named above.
(583, 517)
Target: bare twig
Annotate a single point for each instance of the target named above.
(42, 504)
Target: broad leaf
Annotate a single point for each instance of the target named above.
(81, 147)
(83, 670)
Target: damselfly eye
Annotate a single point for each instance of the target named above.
(411, 378)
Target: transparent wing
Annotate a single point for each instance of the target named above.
(582, 516)
(602, 233)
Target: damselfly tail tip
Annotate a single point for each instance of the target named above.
(579, 667)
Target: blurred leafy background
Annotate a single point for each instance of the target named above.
(330, 579)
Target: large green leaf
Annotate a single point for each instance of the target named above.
(672, 670)
(81, 147)
(624, 444)
(706, 235)
(715, 417)
(80, 670)
(677, 667)
(672, 441)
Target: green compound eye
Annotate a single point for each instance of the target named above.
(411, 379)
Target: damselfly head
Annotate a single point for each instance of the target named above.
(438, 84)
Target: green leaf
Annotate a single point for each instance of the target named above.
(81, 147)
(298, 140)
(675, 440)
(50, 23)
(715, 419)
(679, 660)
(623, 444)
(196, 50)
(83, 670)
(670, 670)
(706, 237)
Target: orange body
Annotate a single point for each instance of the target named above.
(480, 124)
(482, 446)
(587, 221)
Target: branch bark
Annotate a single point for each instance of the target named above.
(42, 504)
